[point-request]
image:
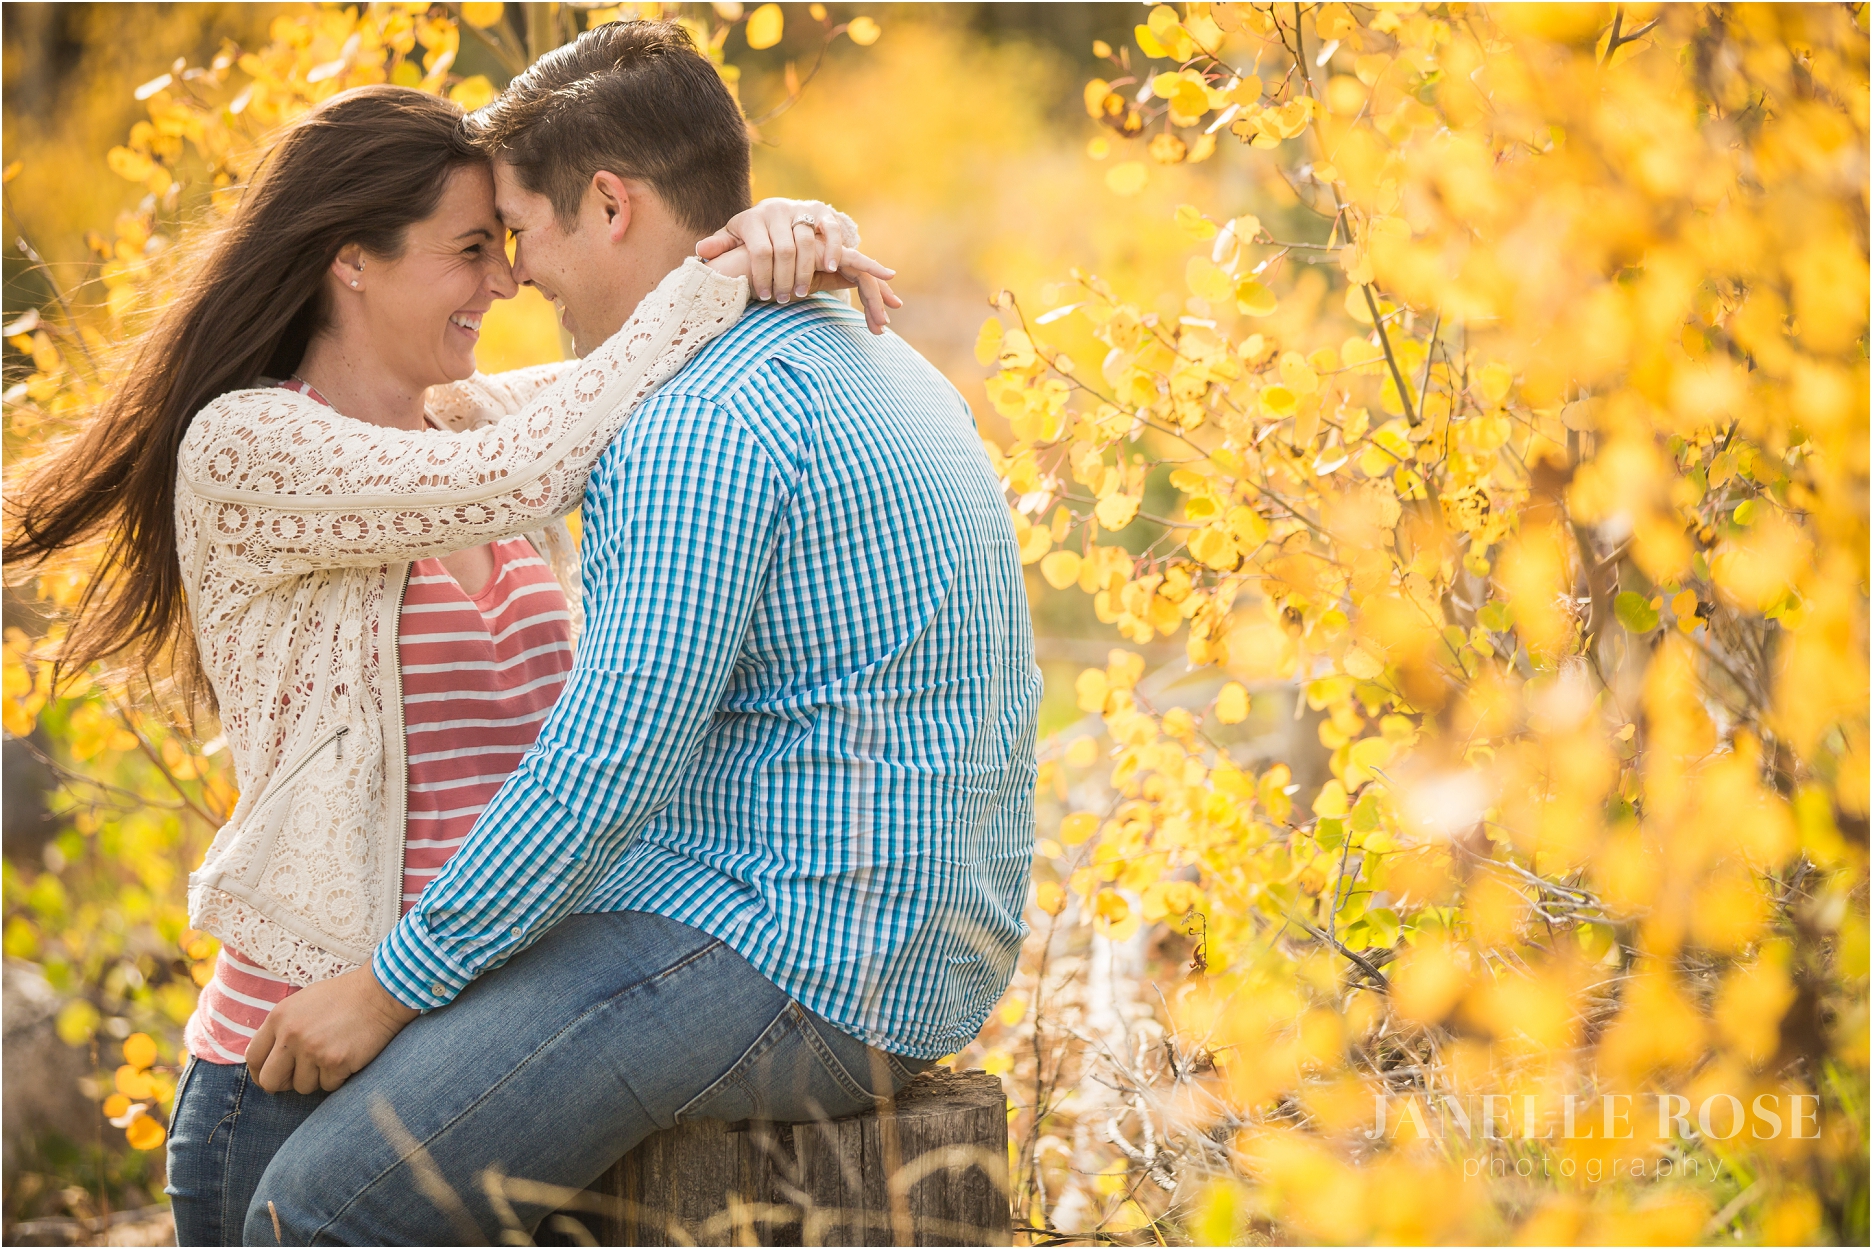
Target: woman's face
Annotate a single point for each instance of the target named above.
(422, 311)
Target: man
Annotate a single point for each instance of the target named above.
(768, 856)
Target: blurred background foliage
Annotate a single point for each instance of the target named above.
(1453, 416)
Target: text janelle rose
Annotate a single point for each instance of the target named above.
(1607, 1117)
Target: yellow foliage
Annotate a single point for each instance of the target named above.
(1520, 455)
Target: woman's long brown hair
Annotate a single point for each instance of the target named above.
(361, 168)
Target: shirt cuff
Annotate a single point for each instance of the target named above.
(414, 969)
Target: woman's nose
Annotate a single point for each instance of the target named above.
(501, 282)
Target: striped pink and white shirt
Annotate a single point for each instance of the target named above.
(480, 674)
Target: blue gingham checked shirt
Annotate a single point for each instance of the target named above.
(802, 714)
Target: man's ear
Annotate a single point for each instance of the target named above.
(614, 200)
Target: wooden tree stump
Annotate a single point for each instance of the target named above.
(932, 1169)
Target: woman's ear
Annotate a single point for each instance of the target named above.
(348, 266)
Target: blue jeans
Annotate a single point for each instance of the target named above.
(224, 1131)
(549, 1069)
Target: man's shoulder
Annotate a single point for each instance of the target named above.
(786, 347)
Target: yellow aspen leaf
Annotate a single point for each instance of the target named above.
(1049, 897)
(1247, 526)
(116, 1106)
(1078, 827)
(1232, 703)
(1034, 544)
(864, 31)
(1191, 221)
(1370, 68)
(145, 1133)
(1147, 43)
(765, 26)
(1684, 608)
(1497, 380)
(1060, 569)
(139, 1050)
(1124, 668)
(1206, 280)
(1428, 982)
(1095, 93)
(133, 1083)
(1214, 548)
(77, 1022)
(1167, 149)
(1116, 511)
(1345, 95)
(130, 165)
(988, 342)
(1253, 299)
(1111, 909)
(1359, 662)
(473, 93)
(1091, 688)
(482, 15)
(1127, 178)
(1279, 400)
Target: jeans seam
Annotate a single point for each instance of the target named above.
(229, 1120)
(829, 1060)
(904, 1074)
(763, 1041)
(423, 1145)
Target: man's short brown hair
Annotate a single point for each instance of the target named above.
(636, 99)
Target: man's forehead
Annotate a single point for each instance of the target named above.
(511, 199)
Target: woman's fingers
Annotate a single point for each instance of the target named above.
(717, 244)
(806, 245)
(871, 294)
(857, 262)
(833, 241)
(761, 258)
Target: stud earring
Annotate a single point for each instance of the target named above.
(353, 283)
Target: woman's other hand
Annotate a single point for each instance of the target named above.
(790, 248)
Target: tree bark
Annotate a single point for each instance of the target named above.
(931, 1169)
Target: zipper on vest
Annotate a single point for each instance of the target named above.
(279, 784)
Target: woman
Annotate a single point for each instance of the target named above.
(378, 587)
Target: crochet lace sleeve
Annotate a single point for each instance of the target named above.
(297, 487)
(493, 396)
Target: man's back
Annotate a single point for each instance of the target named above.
(803, 708)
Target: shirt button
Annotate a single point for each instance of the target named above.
(514, 932)
(437, 989)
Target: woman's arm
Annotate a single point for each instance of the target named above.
(297, 487)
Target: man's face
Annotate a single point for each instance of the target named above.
(556, 261)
